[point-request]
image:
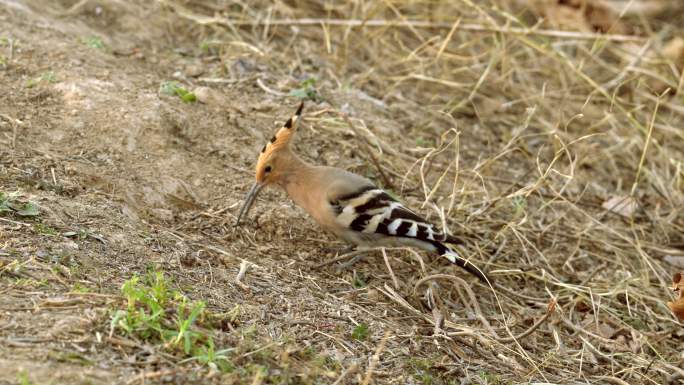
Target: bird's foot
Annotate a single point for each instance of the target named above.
(341, 254)
(340, 250)
(355, 255)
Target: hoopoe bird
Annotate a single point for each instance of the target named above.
(346, 204)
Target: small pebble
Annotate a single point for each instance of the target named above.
(207, 95)
(194, 70)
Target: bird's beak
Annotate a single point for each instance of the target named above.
(249, 200)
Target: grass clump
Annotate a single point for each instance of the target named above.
(307, 91)
(360, 332)
(23, 378)
(158, 314)
(165, 318)
(171, 88)
(45, 229)
(10, 203)
(209, 356)
(45, 77)
(423, 371)
(209, 46)
(31, 283)
(79, 288)
(93, 42)
(359, 281)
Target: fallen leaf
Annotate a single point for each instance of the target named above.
(606, 331)
(580, 15)
(582, 307)
(677, 307)
(621, 205)
(678, 283)
(601, 17)
(566, 18)
(26, 210)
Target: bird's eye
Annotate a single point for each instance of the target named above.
(267, 169)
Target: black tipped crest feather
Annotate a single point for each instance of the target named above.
(290, 121)
(288, 126)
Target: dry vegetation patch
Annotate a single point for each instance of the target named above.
(548, 134)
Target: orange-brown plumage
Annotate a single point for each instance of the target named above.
(348, 205)
(279, 142)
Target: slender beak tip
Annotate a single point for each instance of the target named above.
(249, 200)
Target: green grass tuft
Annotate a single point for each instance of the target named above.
(9, 203)
(360, 332)
(94, 42)
(307, 91)
(171, 88)
(160, 315)
(45, 77)
(23, 379)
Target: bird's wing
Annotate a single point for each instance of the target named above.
(371, 210)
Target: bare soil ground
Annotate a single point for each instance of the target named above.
(518, 142)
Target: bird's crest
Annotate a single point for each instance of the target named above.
(280, 140)
(283, 136)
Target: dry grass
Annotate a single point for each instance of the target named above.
(512, 134)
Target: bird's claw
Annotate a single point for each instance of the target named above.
(347, 265)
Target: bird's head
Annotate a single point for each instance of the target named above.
(272, 159)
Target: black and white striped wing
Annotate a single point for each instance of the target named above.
(373, 211)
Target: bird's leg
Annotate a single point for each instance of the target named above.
(340, 250)
(342, 254)
(346, 250)
(356, 255)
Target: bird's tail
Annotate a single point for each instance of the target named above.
(457, 260)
